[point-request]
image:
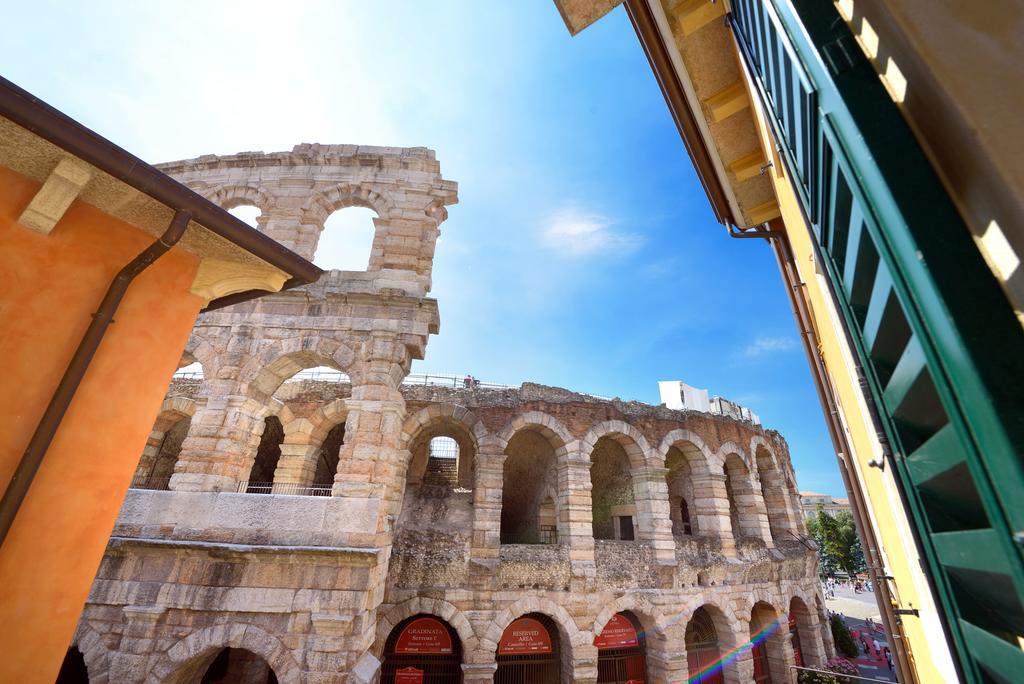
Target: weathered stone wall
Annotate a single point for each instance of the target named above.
(311, 578)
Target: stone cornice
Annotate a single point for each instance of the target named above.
(347, 555)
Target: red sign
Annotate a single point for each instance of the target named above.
(525, 635)
(425, 636)
(618, 633)
(409, 675)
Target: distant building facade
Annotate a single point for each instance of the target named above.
(812, 502)
(682, 397)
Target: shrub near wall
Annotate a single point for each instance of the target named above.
(842, 637)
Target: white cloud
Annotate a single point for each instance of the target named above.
(577, 233)
(768, 345)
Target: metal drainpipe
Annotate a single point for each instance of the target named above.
(18, 487)
(779, 240)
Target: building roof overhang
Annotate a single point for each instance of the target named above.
(237, 261)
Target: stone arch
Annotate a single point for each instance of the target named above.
(281, 361)
(321, 205)
(761, 594)
(304, 460)
(186, 659)
(395, 614)
(547, 425)
(443, 420)
(231, 196)
(172, 410)
(773, 489)
(324, 419)
(570, 633)
(723, 614)
(436, 414)
(759, 441)
(728, 634)
(534, 445)
(734, 449)
(746, 504)
(627, 436)
(652, 619)
(708, 458)
(198, 350)
(95, 652)
(163, 446)
(620, 494)
(769, 635)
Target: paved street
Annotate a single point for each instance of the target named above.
(857, 608)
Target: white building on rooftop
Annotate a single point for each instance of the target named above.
(677, 395)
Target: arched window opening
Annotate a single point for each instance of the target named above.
(612, 498)
(529, 651)
(248, 214)
(423, 648)
(261, 477)
(320, 374)
(529, 485)
(680, 492)
(621, 651)
(702, 649)
(801, 628)
(346, 240)
(442, 462)
(773, 491)
(327, 460)
(735, 475)
(73, 669)
(192, 370)
(158, 460)
(439, 480)
(238, 666)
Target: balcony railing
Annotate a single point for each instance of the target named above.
(147, 482)
(247, 487)
(545, 534)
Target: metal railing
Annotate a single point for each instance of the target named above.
(248, 487)
(433, 379)
(430, 379)
(147, 482)
(545, 534)
(841, 676)
(188, 375)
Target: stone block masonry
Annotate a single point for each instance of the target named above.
(303, 526)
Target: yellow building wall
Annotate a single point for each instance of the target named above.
(928, 647)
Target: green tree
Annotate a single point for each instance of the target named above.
(838, 542)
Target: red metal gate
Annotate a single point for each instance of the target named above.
(528, 652)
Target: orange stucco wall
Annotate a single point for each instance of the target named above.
(49, 286)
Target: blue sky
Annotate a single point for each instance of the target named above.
(583, 252)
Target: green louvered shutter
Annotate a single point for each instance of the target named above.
(941, 347)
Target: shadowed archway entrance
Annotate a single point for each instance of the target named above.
(621, 651)
(238, 666)
(528, 652)
(422, 649)
(703, 653)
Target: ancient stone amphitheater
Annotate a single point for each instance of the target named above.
(358, 526)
